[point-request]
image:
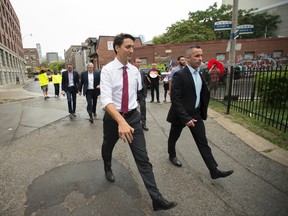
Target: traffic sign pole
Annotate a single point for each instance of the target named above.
(232, 52)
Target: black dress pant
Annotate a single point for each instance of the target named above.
(154, 85)
(199, 135)
(91, 98)
(56, 88)
(138, 148)
(71, 99)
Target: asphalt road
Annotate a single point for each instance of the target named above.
(51, 165)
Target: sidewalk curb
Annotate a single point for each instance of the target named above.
(12, 92)
(258, 143)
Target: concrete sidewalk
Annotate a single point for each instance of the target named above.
(51, 164)
(15, 92)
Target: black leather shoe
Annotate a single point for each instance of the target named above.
(109, 176)
(220, 174)
(151, 101)
(175, 161)
(145, 127)
(162, 204)
(91, 120)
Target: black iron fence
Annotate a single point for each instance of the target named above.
(260, 93)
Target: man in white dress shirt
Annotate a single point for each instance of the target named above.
(122, 121)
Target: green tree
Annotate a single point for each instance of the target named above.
(264, 24)
(200, 25)
(57, 65)
(44, 64)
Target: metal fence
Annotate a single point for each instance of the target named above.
(260, 93)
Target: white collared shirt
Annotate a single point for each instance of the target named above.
(70, 79)
(111, 83)
(90, 80)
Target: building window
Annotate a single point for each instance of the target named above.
(277, 53)
(7, 58)
(221, 56)
(110, 45)
(249, 55)
(2, 57)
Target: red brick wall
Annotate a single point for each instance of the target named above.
(211, 48)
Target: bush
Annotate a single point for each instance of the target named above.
(273, 88)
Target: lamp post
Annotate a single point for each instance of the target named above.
(22, 72)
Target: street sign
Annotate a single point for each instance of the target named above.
(235, 34)
(222, 25)
(245, 29)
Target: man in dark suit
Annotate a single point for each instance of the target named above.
(142, 94)
(70, 86)
(90, 81)
(190, 98)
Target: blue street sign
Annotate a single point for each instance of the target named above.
(234, 35)
(222, 25)
(245, 29)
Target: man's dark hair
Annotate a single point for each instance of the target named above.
(118, 40)
(194, 46)
(178, 59)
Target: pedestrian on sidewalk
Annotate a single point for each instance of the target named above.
(190, 98)
(44, 81)
(17, 79)
(181, 63)
(119, 83)
(90, 81)
(56, 79)
(70, 86)
(142, 94)
(166, 84)
(153, 77)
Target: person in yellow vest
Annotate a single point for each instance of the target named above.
(44, 81)
(56, 79)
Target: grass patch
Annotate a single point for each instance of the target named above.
(269, 133)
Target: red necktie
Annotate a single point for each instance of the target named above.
(125, 95)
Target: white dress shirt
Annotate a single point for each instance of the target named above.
(111, 83)
(90, 80)
(70, 79)
(198, 84)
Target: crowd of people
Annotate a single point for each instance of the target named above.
(123, 88)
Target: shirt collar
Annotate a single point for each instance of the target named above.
(192, 70)
(120, 65)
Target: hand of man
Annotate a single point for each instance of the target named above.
(191, 123)
(125, 132)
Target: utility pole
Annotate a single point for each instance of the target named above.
(232, 52)
(232, 44)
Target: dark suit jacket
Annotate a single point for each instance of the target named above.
(142, 94)
(84, 82)
(65, 80)
(183, 97)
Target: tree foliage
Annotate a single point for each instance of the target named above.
(200, 25)
(44, 64)
(57, 65)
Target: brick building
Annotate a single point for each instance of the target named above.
(104, 52)
(11, 47)
(217, 49)
(31, 57)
